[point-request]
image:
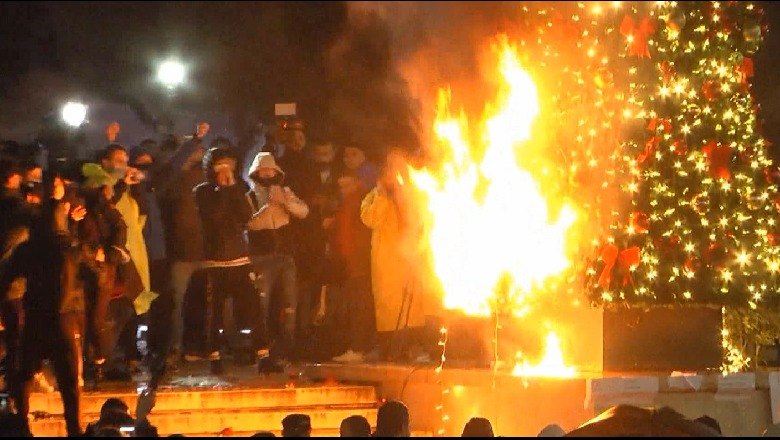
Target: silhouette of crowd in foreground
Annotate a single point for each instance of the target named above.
(393, 420)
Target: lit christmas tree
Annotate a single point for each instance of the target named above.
(655, 124)
(702, 225)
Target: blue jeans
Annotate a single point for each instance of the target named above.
(278, 286)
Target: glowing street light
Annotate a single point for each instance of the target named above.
(171, 74)
(74, 113)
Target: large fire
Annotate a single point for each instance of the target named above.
(491, 232)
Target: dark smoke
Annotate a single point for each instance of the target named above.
(362, 72)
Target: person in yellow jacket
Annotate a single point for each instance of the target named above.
(398, 299)
(114, 172)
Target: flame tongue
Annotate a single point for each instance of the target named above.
(487, 223)
(552, 365)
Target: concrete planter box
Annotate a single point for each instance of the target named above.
(663, 339)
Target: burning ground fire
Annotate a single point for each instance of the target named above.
(491, 233)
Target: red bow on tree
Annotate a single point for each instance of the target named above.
(638, 35)
(626, 259)
(745, 70)
(718, 157)
(650, 146)
(666, 124)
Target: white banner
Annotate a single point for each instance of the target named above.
(604, 393)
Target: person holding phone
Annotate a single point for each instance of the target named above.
(132, 294)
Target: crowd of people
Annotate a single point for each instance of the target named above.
(393, 420)
(129, 260)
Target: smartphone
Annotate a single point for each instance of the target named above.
(127, 430)
(285, 109)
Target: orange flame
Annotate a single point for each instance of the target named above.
(489, 227)
(551, 365)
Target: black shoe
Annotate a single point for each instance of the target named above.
(216, 367)
(266, 365)
(118, 375)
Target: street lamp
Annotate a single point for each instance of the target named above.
(74, 114)
(171, 73)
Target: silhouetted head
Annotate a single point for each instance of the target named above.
(296, 425)
(355, 426)
(392, 420)
(478, 427)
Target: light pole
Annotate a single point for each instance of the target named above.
(171, 74)
(74, 114)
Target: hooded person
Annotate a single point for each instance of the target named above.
(268, 234)
(224, 212)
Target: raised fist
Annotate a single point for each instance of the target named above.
(112, 131)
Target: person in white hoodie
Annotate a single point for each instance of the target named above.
(269, 242)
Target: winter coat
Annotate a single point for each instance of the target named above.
(104, 228)
(266, 231)
(49, 262)
(127, 206)
(14, 222)
(174, 187)
(391, 271)
(224, 212)
(301, 173)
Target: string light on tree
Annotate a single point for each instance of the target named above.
(672, 135)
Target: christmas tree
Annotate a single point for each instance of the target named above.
(702, 224)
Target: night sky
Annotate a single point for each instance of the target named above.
(243, 57)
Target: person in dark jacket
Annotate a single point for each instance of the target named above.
(183, 237)
(303, 178)
(224, 212)
(14, 230)
(53, 306)
(351, 245)
(12, 208)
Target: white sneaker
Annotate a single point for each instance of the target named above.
(350, 357)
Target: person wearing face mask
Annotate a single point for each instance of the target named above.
(273, 205)
(144, 194)
(224, 213)
(113, 170)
